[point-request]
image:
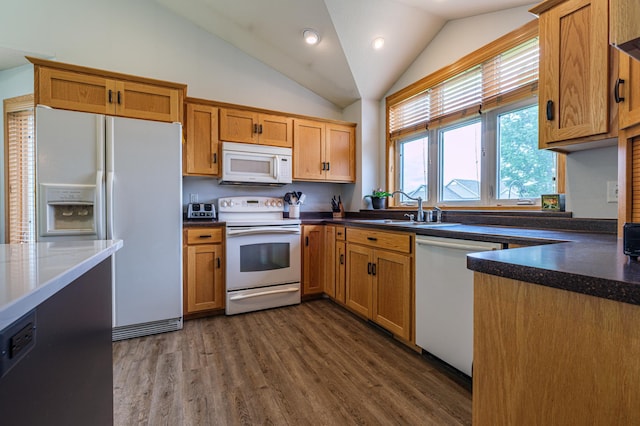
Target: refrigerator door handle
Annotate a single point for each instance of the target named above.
(110, 168)
(98, 210)
(110, 223)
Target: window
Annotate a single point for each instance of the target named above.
(524, 171)
(19, 169)
(468, 133)
(460, 162)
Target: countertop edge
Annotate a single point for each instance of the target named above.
(25, 303)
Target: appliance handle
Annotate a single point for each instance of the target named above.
(98, 210)
(231, 232)
(110, 224)
(455, 244)
(276, 167)
(263, 293)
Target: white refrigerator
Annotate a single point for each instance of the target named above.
(102, 177)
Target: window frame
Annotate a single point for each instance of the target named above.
(493, 49)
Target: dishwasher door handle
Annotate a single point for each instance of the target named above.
(455, 244)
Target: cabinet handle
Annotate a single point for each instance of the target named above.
(118, 97)
(342, 259)
(218, 259)
(372, 239)
(260, 129)
(205, 236)
(616, 91)
(369, 268)
(324, 166)
(373, 269)
(328, 166)
(306, 241)
(215, 158)
(338, 233)
(110, 96)
(255, 128)
(549, 110)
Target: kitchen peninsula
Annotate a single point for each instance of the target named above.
(556, 335)
(55, 332)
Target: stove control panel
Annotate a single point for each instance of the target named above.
(250, 204)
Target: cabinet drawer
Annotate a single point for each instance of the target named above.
(340, 233)
(204, 235)
(380, 239)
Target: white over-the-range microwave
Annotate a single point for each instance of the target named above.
(244, 163)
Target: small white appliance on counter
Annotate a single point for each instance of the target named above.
(262, 252)
(444, 298)
(252, 164)
(201, 211)
(96, 175)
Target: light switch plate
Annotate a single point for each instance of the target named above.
(193, 198)
(612, 191)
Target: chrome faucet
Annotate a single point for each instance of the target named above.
(420, 213)
(438, 211)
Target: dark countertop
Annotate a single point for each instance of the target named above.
(591, 263)
(583, 262)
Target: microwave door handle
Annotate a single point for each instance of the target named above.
(276, 167)
(261, 230)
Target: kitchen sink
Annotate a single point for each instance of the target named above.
(407, 223)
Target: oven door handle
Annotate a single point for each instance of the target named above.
(231, 232)
(263, 293)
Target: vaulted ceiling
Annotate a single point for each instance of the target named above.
(343, 67)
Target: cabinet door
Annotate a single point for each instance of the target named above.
(308, 150)
(275, 130)
(392, 292)
(330, 260)
(75, 91)
(238, 126)
(201, 150)
(628, 91)
(340, 268)
(312, 259)
(359, 279)
(147, 102)
(340, 153)
(574, 71)
(205, 286)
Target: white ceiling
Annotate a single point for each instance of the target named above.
(343, 67)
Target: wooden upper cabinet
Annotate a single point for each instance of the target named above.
(85, 89)
(340, 152)
(323, 151)
(201, 154)
(624, 25)
(575, 72)
(252, 127)
(628, 91)
(308, 150)
(147, 102)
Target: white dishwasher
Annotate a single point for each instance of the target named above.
(444, 298)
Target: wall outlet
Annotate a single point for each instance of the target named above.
(612, 191)
(193, 198)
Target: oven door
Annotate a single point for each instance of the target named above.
(259, 256)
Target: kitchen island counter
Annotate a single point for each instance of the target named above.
(32, 273)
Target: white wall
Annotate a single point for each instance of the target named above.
(587, 175)
(13, 82)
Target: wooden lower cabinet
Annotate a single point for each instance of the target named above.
(204, 288)
(378, 282)
(545, 356)
(330, 261)
(313, 268)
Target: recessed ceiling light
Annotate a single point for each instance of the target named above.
(378, 43)
(310, 36)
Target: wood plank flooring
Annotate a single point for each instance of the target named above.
(309, 364)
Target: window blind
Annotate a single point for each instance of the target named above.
(20, 172)
(506, 77)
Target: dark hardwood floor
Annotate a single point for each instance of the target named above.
(310, 364)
